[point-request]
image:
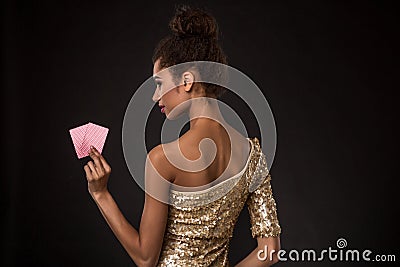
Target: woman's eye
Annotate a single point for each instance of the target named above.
(158, 84)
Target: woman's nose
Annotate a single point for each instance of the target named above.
(156, 95)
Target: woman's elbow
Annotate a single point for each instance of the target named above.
(146, 262)
(275, 254)
(142, 260)
(272, 248)
(275, 258)
(149, 261)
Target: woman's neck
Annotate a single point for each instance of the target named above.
(204, 111)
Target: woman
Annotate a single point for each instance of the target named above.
(193, 228)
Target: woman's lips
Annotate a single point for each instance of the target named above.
(162, 109)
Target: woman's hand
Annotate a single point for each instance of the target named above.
(97, 173)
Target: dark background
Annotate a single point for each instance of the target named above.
(327, 69)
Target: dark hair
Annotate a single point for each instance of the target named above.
(194, 38)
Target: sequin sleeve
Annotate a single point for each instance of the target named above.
(261, 203)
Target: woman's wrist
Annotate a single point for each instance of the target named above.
(97, 195)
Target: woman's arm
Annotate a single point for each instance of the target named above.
(267, 257)
(264, 219)
(143, 246)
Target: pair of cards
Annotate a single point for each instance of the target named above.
(88, 135)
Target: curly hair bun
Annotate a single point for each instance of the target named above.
(193, 22)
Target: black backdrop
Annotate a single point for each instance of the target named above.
(326, 68)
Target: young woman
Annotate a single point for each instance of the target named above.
(193, 228)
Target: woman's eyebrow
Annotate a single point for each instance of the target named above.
(156, 77)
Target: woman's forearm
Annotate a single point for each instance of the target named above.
(253, 260)
(127, 235)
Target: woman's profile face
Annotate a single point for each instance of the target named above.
(167, 94)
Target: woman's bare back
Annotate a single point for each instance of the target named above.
(189, 144)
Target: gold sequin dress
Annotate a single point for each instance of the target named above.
(200, 224)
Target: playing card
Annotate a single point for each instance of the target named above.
(88, 135)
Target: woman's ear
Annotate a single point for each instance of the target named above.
(188, 80)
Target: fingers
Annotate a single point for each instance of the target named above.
(97, 171)
(106, 167)
(99, 168)
(102, 162)
(88, 173)
(96, 159)
(92, 168)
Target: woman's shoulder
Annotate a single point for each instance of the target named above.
(185, 147)
(160, 162)
(173, 156)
